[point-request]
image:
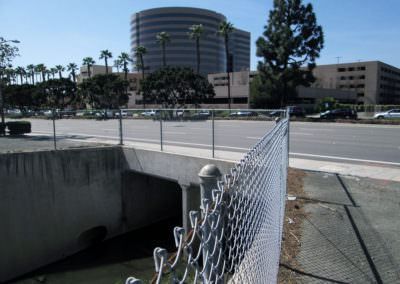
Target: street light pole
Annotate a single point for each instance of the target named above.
(3, 124)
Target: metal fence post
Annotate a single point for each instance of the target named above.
(213, 134)
(209, 176)
(288, 130)
(54, 129)
(121, 142)
(161, 136)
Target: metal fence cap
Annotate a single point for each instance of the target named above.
(209, 171)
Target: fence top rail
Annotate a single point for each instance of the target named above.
(165, 109)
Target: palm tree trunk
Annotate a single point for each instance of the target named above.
(33, 78)
(164, 59)
(142, 64)
(88, 69)
(105, 59)
(198, 55)
(227, 70)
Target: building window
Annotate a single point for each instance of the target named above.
(343, 78)
(132, 89)
(360, 95)
(360, 86)
(362, 77)
(351, 77)
(133, 80)
(350, 69)
(341, 69)
(361, 68)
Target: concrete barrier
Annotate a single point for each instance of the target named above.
(55, 203)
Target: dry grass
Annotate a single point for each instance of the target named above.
(291, 239)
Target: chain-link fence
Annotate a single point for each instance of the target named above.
(236, 235)
(212, 133)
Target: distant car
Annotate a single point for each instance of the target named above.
(124, 113)
(393, 113)
(14, 111)
(243, 113)
(202, 114)
(48, 112)
(339, 113)
(91, 112)
(152, 112)
(182, 113)
(295, 111)
(69, 112)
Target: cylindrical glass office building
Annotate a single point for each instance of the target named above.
(180, 51)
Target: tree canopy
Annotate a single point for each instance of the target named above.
(291, 39)
(174, 86)
(104, 91)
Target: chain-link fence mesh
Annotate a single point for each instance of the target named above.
(236, 235)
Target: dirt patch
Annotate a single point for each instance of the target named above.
(291, 238)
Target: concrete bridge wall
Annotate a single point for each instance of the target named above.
(55, 203)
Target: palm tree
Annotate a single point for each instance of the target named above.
(105, 54)
(53, 71)
(196, 32)
(139, 52)
(162, 39)
(117, 64)
(21, 72)
(41, 68)
(225, 29)
(72, 67)
(124, 58)
(31, 69)
(88, 61)
(10, 75)
(60, 69)
(49, 72)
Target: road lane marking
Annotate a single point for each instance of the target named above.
(145, 140)
(300, 133)
(224, 147)
(171, 132)
(345, 159)
(256, 138)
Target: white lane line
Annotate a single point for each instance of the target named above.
(145, 140)
(300, 133)
(224, 147)
(345, 159)
(171, 132)
(255, 138)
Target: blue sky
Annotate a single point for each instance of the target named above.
(63, 31)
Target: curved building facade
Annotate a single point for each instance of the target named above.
(181, 51)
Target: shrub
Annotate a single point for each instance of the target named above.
(18, 127)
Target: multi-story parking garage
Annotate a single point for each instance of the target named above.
(181, 51)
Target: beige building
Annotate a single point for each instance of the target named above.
(374, 82)
(239, 83)
(94, 70)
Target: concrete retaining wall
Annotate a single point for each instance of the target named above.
(54, 203)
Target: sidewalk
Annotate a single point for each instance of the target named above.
(350, 234)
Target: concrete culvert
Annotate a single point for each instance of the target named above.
(92, 236)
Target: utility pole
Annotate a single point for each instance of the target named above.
(338, 58)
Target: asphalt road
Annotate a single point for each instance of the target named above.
(322, 141)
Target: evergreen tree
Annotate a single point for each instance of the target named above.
(173, 86)
(291, 39)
